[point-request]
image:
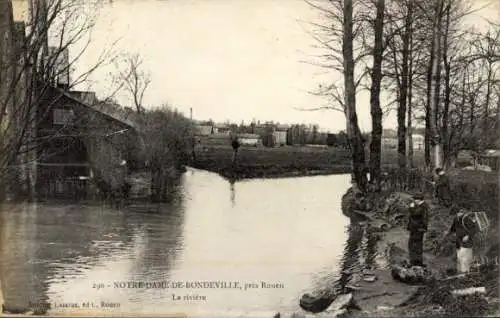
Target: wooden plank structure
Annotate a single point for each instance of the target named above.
(81, 151)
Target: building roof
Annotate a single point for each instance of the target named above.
(81, 102)
(221, 126)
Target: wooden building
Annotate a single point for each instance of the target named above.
(81, 150)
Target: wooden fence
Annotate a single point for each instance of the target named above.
(69, 188)
(416, 180)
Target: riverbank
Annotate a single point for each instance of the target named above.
(279, 162)
(257, 171)
(390, 298)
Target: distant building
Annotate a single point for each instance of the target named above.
(418, 142)
(389, 138)
(250, 140)
(203, 129)
(221, 129)
(490, 158)
(280, 135)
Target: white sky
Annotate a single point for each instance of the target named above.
(227, 59)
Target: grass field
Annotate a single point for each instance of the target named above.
(256, 162)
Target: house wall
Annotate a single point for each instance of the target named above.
(14, 93)
(389, 142)
(203, 130)
(222, 131)
(280, 138)
(418, 142)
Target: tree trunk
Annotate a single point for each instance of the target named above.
(403, 91)
(409, 161)
(353, 131)
(497, 122)
(427, 141)
(434, 89)
(486, 107)
(376, 111)
(428, 111)
(447, 92)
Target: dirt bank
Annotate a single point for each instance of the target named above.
(387, 297)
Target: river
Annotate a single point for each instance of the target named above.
(273, 239)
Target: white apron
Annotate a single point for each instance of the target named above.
(464, 259)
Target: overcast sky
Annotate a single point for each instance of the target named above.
(227, 59)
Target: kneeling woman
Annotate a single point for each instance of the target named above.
(465, 228)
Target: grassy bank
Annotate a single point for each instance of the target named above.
(288, 161)
(389, 298)
(262, 162)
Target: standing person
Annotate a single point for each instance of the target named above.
(465, 228)
(443, 188)
(235, 144)
(417, 225)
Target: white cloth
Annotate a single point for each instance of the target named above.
(464, 259)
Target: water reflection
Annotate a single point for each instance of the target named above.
(232, 191)
(370, 249)
(360, 252)
(278, 231)
(54, 245)
(17, 248)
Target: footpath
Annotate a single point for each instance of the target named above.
(390, 298)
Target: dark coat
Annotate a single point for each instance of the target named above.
(235, 144)
(443, 189)
(463, 225)
(418, 218)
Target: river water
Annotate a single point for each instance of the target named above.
(274, 239)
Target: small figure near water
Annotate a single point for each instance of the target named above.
(417, 225)
(235, 144)
(443, 188)
(465, 228)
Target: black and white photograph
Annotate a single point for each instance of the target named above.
(249, 158)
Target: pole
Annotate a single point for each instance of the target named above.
(193, 154)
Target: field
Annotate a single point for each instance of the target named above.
(258, 162)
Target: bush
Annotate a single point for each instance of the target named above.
(476, 190)
(167, 147)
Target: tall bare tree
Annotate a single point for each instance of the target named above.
(344, 23)
(435, 82)
(38, 53)
(376, 110)
(354, 133)
(133, 78)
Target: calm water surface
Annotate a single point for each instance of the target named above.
(286, 232)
